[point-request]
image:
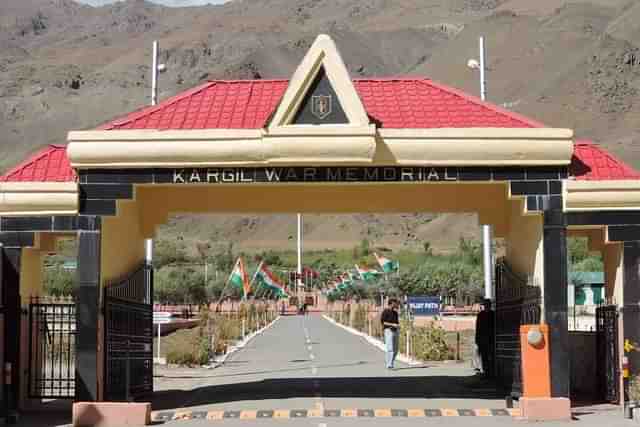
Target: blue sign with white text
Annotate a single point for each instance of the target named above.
(424, 306)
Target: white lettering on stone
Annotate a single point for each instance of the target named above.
(433, 175)
(291, 174)
(195, 176)
(178, 176)
(351, 174)
(228, 175)
(447, 177)
(273, 175)
(310, 174)
(407, 174)
(371, 174)
(389, 174)
(212, 175)
(334, 175)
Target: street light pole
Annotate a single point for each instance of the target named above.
(486, 229)
(299, 275)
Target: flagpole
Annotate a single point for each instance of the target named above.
(227, 283)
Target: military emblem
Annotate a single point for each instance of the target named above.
(321, 106)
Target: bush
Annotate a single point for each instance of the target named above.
(429, 343)
(191, 355)
(634, 389)
(58, 282)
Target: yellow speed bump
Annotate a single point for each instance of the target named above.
(248, 415)
(281, 413)
(414, 413)
(215, 415)
(349, 413)
(450, 413)
(483, 413)
(382, 413)
(315, 413)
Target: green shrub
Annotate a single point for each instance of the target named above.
(428, 343)
(191, 355)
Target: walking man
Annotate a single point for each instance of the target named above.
(390, 325)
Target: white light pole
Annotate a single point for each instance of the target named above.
(486, 229)
(155, 69)
(299, 276)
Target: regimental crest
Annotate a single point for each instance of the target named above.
(321, 106)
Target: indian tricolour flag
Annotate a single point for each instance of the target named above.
(266, 278)
(367, 273)
(386, 264)
(239, 278)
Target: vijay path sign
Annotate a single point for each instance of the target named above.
(424, 305)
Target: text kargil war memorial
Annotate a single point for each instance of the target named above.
(320, 143)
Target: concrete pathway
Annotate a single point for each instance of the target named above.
(305, 363)
(306, 371)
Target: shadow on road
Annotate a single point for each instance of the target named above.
(400, 387)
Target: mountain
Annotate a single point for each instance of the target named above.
(567, 63)
(170, 3)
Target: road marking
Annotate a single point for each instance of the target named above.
(309, 348)
(248, 415)
(312, 357)
(314, 370)
(382, 413)
(281, 413)
(319, 411)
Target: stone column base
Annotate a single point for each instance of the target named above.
(545, 408)
(111, 414)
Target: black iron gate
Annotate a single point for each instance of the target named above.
(517, 304)
(128, 336)
(607, 353)
(52, 333)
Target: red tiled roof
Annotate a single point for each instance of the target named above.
(391, 103)
(48, 165)
(591, 162)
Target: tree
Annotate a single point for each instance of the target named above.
(58, 282)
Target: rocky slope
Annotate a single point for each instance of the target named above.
(64, 65)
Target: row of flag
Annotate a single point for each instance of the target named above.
(367, 274)
(265, 278)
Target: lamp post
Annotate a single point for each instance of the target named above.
(486, 229)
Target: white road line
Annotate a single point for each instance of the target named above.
(314, 370)
(311, 356)
(309, 348)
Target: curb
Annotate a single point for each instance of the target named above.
(374, 342)
(241, 344)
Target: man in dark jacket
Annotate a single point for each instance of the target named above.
(391, 327)
(485, 337)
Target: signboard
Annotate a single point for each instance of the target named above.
(311, 174)
(162, 317)
(424, 306)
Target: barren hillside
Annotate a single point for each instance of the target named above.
(66, 66)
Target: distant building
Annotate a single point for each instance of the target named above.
(586, 288)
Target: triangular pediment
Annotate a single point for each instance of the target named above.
(320, 92)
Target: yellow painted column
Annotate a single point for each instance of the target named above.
(525, 245)
(30, 274)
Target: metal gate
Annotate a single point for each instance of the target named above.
(128, 336)
(607, 353)
(516, 304)
(52, 343)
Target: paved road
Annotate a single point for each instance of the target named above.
(309, 363)
(316, 374)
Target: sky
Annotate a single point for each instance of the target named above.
(173, 3)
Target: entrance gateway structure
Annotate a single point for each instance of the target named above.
(321, 143)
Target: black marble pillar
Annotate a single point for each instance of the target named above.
(87, 308)
(555, 300)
